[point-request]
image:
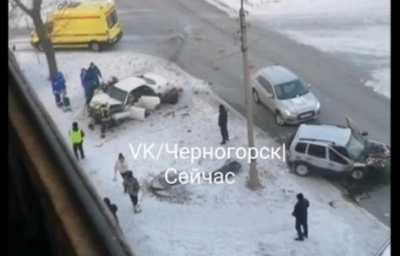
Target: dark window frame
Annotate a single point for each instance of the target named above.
(310, 146)
(112, 19)
(305, 147)
(332, 152)
(266, 85)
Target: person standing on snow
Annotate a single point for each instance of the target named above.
(121, 166)
(93, 69)
(112, 207)
(59, 89)
(300, 213)
(132, 187)
(92, 79)
(223, 123)
(76, 136)
(84, 83)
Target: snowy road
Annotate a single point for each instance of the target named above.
(204, 42)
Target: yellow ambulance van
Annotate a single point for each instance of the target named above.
(84, 24)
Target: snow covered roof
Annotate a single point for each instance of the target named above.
(130, 83)
(340, 136)
(277, 74)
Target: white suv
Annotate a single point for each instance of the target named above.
(335, 149)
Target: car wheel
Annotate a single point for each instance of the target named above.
(256, 97)
(301, 169)
(357, 174)
(95, 46)
(279, 119)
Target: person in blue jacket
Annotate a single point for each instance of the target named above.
(59, 90)
(84, 83)
(92, 79)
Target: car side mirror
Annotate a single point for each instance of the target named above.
(364, 133)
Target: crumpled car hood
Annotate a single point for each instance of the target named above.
(377, 154)
(103, 98)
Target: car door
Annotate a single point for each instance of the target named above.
(298, 152)
(131, 99)
(337, 162)
(317, 156)
(268, 93)
(258, 88)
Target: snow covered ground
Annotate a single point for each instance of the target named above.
(358, 30)
(215, 219)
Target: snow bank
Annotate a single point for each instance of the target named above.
(306, 7)
(381, 78)
(357, 28)
(218, 219)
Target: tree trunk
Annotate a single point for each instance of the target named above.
(45, 44)
(41, 30)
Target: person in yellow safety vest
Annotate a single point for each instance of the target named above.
(76, 136)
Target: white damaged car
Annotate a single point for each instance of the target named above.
(130, 98)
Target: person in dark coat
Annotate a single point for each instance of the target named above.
(83, 76)
(132, 187)
(59, 89)
(112, 207)
(84, 83)
(76, 136)
(95, 71)
(300, 213)
(223, 123)
(92, 81)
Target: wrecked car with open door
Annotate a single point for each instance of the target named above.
(335, 149)
(131, 98)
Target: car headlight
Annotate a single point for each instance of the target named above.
(288, 113)
(317, 106)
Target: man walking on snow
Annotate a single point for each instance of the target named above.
(300, 213)
(76, 136)
(122, 167)
(132, 187)
(223, 124)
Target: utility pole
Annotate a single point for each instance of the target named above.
(253, 181)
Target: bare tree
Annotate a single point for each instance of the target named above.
(42, 31)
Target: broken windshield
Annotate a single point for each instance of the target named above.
(355, 147)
